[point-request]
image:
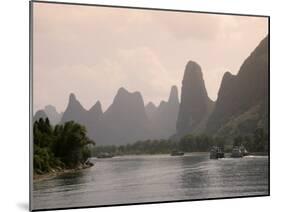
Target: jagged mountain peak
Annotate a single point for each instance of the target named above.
(227, 75)
(73, 101)
(227, 81)
(122, 90)
(174, 96)
(124, 96)
(97, 107)
(192, 71)
(74, 110)
(125, 120)
(72, 97)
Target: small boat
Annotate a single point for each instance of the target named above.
(105, 155)
(239, 152)
(244, 151)
(177, 153)
(216, 152)
(236, 152)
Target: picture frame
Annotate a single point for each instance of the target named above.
(60, 173)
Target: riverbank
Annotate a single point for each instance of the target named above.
(60, 171)
(168, 153)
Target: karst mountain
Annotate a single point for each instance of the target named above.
(240, 108)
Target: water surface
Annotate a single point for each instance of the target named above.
(134, 179)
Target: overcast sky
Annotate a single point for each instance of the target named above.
(93, 51)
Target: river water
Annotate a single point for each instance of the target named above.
(135, 179)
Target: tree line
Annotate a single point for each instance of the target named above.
(67, 146)
(257, 142)
(59, 147)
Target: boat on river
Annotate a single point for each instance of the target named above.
(105, 155)
(244, 151)
(236, 152)
(216, 152)
(239, 152)
(177, 153)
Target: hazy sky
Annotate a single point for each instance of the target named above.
(93, 51)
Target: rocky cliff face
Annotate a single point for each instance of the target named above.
(195, 104)
(242, 99)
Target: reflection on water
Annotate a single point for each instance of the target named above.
(132, 179)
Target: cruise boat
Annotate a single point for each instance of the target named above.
(216, 152)
(236, 152)
(239, 152)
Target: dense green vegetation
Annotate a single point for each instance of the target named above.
(189, 143)
(60, 147)
(257, 142)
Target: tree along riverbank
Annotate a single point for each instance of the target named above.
(60, 148)
(256, 142)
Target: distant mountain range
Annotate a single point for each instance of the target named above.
(241, 107)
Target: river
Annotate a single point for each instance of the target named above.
(152, 178)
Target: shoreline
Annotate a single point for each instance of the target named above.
(56, 172)
(227, 152)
